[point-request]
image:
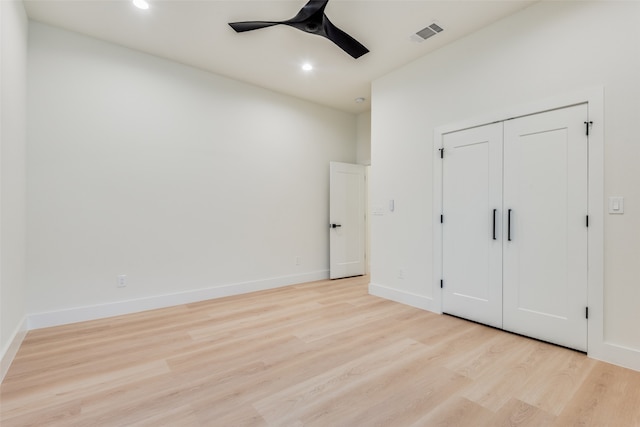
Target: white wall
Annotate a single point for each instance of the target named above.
(193, 185)
(13, 66)
(548, 49)
(363, 146)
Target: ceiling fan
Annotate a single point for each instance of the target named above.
(311, 19)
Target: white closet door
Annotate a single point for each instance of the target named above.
(545, 260)
(472, 192)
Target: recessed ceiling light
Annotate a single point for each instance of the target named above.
(141, 4)
(307, 67)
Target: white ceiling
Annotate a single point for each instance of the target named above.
(196, 33)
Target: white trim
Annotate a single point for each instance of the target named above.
(593, 95)
(11, 349)
(598, 347)
(100, 311)
(436, 291)
(617, 355)
(367, 220)
(406, 298)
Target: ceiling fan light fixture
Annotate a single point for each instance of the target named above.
(141, 4)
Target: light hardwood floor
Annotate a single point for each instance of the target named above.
(317, 354)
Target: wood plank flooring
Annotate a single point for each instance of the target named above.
(317, 354)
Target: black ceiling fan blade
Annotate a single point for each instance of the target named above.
(241, 27)
(311, 19)
(344, 41)
(313, 7)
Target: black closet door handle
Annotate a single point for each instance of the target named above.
(509, 225)
(494, 223)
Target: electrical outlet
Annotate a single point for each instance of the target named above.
(122, 281)
(298, 260)
(400, 273)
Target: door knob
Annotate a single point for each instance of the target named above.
(334, 225)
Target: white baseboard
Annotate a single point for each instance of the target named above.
(11, 349)
(604, 351)
(407, 298)
(100, 311)
(617, 355)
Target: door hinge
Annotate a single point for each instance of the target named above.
(587, 221)
(586, 312)
(441, 153)
(588, 124)
(441, 219)
(441, 283)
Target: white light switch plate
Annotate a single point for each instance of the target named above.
(616, 205)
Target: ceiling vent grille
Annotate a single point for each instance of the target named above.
(426, 32)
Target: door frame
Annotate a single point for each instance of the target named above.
(594, 98)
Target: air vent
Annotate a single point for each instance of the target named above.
(426, 32)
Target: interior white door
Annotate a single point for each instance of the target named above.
(545, 245)
(472, 208)
(347, 220)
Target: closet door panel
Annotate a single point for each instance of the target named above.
(472, 191)
(545, 252)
